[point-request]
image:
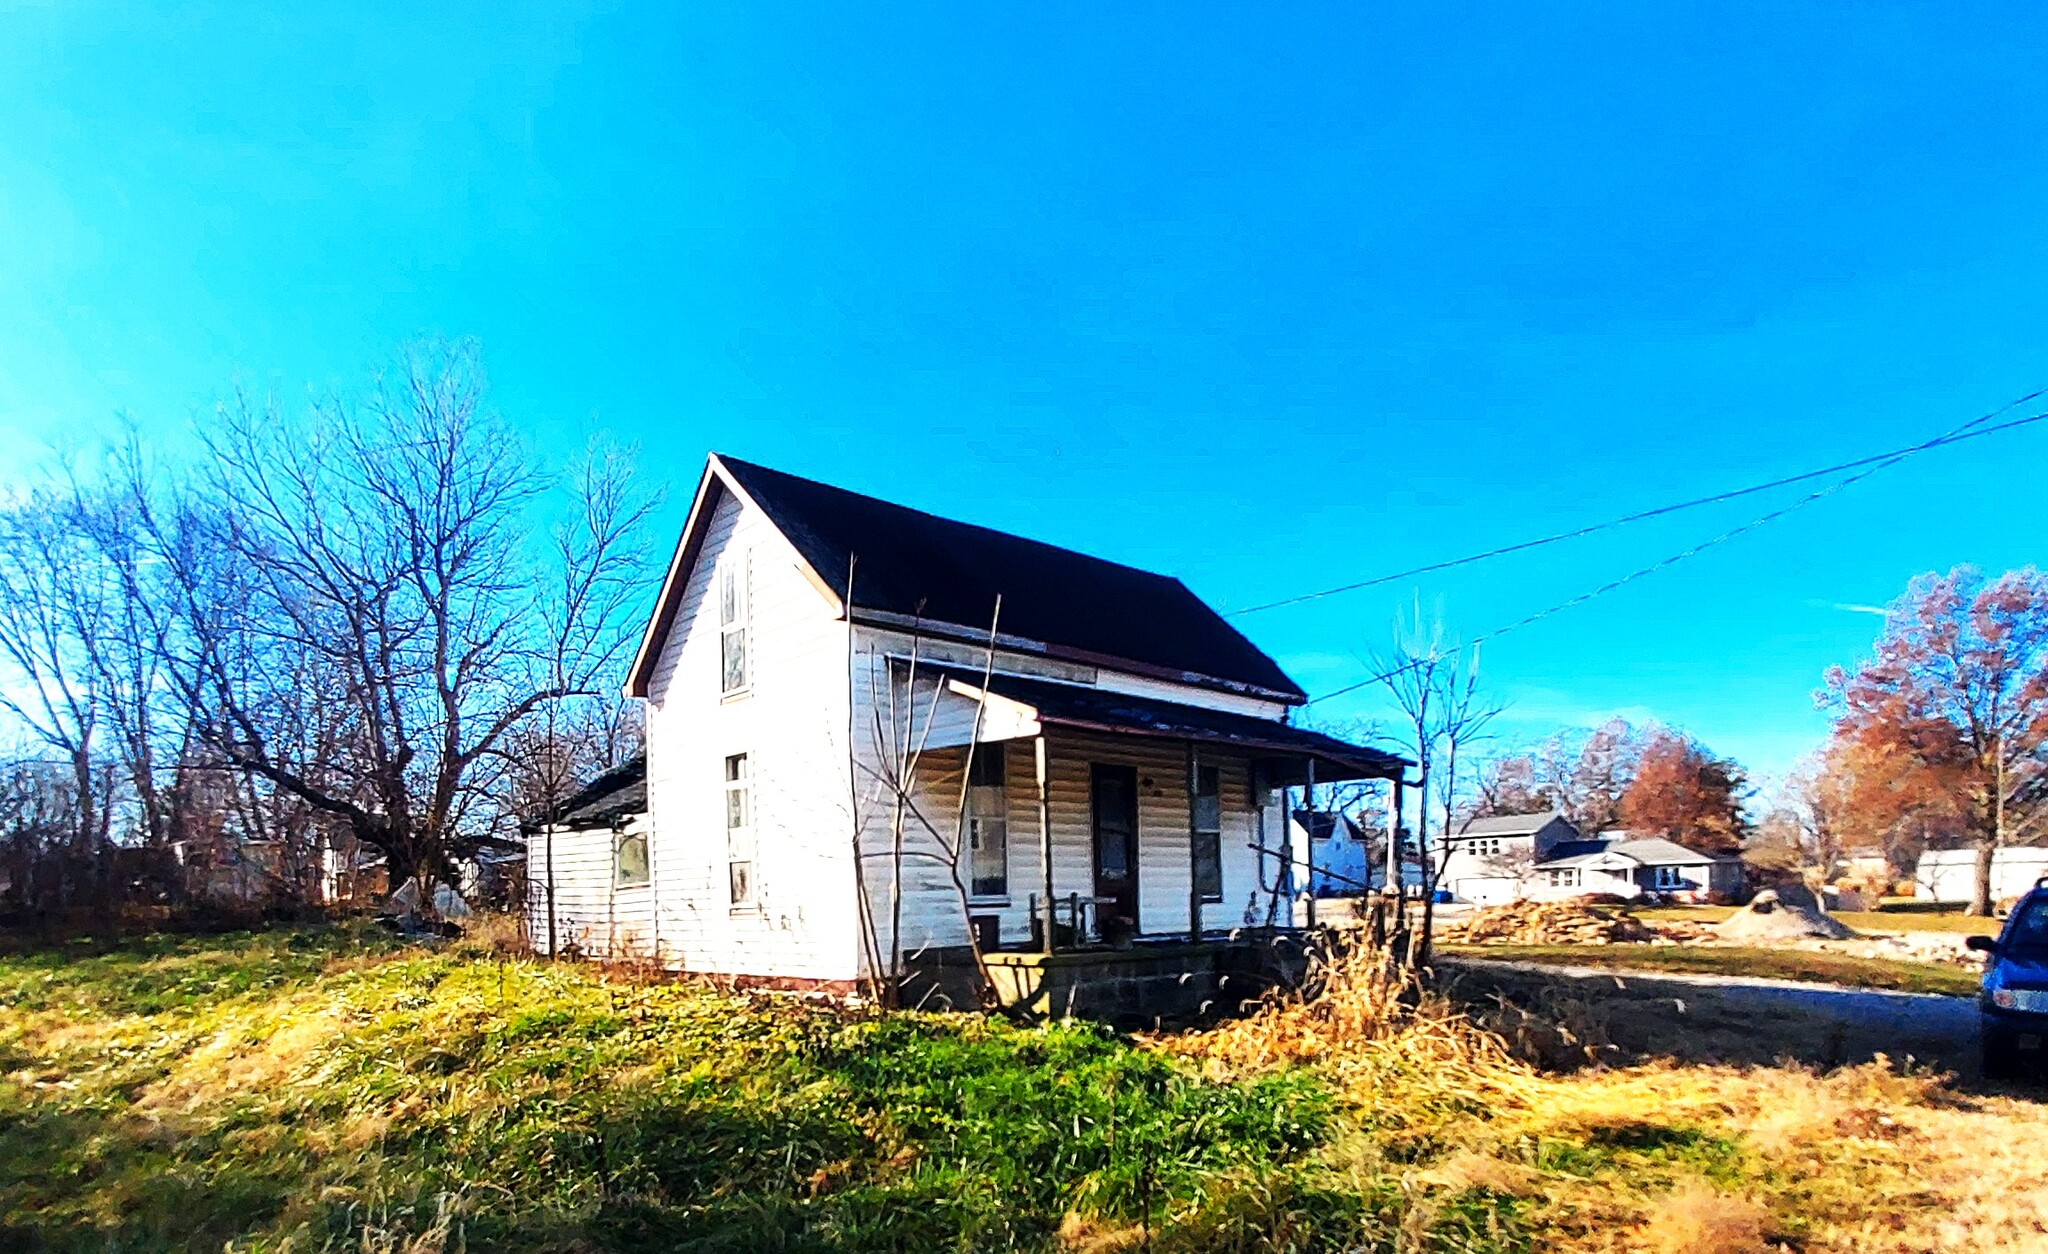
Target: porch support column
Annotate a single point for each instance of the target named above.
(1394, 886)
(1194, 884)
(1044, 839)
(1308, 846)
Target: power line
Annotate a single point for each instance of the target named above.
(1957, 436)
(1871, 466)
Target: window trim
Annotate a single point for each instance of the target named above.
(739, 779)
(1205, 772)
(975, 756)
(738, 568)
(619, 839)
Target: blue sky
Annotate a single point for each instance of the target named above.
(1269, 300)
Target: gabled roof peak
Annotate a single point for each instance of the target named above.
(907, 565)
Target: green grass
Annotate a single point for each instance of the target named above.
(331, 1090)
(316, 1090)
(1777, 964)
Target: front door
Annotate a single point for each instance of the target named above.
(1114, 799)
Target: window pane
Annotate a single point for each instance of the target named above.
(1208, 814)
(732, 648)
(986, 766)
(736, 766)
(735, 808)
(1209, 866)
(728, 596)
(742, 882)
(989, 839)
(630, 859)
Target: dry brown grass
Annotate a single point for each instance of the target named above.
(1657, 1157)
(1700, 1219)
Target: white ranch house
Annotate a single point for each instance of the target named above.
(1543, 857)
(842, 777)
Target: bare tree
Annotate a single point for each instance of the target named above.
(382, 553)
(1435, 684)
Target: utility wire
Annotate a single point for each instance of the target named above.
(1870, 466)
(1960, 434)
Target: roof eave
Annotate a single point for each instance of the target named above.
(1022, 644)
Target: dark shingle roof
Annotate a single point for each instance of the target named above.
(1099, 709)
(618, 793)
(916, 564)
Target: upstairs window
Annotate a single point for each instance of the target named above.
(739, 830)
(734, 674)
(1207, 831)
(629, 859)
(988, 821)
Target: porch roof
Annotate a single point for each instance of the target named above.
(1096, 709)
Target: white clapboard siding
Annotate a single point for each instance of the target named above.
(932, 899)
(593, 914)
(792, 725)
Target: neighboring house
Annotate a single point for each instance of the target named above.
(815, 673)
(1617, 864)
(1343, 860)
(1492, 860)
(1543, 856)
(1950, 875)
(229, 871)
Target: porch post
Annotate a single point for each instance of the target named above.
(1044, 838)
(1394, 885)
(1308, 844)
(1194, 885)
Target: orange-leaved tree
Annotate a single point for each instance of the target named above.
(1947, 721)
(1682, 792)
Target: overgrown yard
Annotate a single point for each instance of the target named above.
(1815, 966)
(331, 1090)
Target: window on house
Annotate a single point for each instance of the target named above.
(739, 829)
(1670, 877)
(1565, 878)
(629, 859)
(988, 821)
(1483, 847)
(732, 625)
(1208, 833)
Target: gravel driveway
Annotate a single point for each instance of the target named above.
(1740, 1019)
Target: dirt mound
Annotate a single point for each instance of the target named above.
(1548, 923)
(1773, 915)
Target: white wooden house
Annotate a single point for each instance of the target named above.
(817, 668)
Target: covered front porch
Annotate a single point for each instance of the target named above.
(1127, 857)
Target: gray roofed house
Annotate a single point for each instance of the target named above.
(1625, 866)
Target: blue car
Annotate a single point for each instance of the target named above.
(2013, 1008)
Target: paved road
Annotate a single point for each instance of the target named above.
(1740, 1017)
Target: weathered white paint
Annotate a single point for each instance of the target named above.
(935, 906)
(594, 915)
(791, 724)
